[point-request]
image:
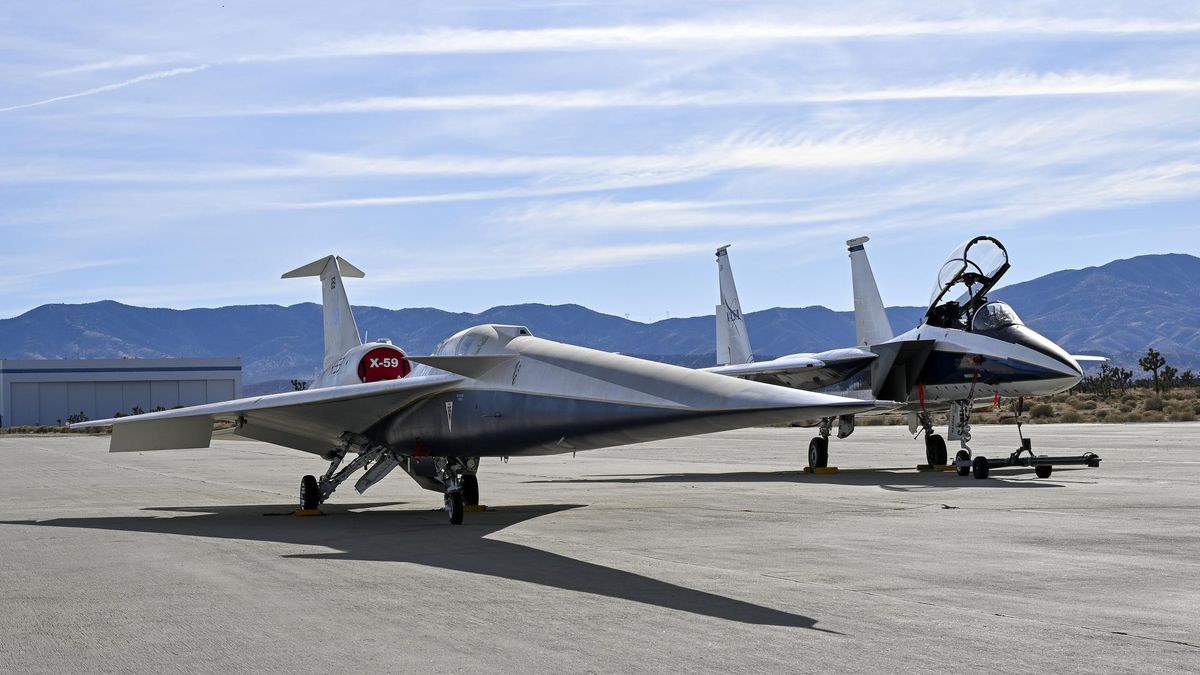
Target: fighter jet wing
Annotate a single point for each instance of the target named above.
(312, 420)
(802, 371)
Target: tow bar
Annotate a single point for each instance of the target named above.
(1043, 465)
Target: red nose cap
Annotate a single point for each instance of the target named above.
(383, 363)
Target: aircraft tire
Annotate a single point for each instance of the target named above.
(310, 494)
(470, 490)
(454, 507)
(818, 452)
(958, 457)
(935, 450)
(1043, 470)
(980, 467)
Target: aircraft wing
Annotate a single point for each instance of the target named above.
(311, 420)
(802, 371)
(1084, 358)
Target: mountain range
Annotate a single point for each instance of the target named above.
(1116, 310)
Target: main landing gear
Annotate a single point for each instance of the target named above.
(462, 486)
(935, 445)
(818, 447)
(456, 475)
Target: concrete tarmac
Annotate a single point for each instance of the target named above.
(707, 554)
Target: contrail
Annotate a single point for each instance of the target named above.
(110, 87)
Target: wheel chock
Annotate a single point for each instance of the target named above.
(475, 508)
(935, 467)
(307, 512)
(821, 469)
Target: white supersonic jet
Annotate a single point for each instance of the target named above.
(967, 349)
(488, 391)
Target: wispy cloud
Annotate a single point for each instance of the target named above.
(126, 61)
(695, 158)
(1004, 85)
(710, 35)
(516, 262)
(162, 74)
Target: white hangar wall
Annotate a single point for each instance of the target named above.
(49, 391)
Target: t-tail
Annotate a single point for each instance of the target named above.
(733, 342)
(341, 332)
(870, 320)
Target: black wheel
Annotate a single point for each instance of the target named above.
(310, 494)
(470, 490)
(454, 507)
(1043, 470)
(935, 450)
(980, 467)
(962, 456)
(818, 452)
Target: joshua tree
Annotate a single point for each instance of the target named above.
(1123, 378)
(1186, 379)
(1169, 373)
(1152, 362)
(299, 385)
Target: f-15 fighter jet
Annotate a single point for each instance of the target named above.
(967, 348)
(488, 391)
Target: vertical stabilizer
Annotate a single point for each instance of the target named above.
(870, 320)
(341, 332)
(733, 343)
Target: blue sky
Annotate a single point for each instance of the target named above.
(473, 154)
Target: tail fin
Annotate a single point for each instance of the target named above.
(733, 342)
(341, 332)
(870, 320)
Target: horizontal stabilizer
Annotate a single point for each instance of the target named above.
(1083, 358)
(169, 434)
(318, 268)
(468, 366)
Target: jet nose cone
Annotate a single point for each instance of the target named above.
(1049, 361)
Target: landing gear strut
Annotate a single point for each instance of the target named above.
(818, 447)
(462, 487)
(935, 445)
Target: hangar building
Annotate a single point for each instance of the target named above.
(49, 391)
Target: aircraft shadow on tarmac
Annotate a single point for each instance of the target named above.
(886, 479)
(424, 538)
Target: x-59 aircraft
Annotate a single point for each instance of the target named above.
(488, 391)
(966, 349)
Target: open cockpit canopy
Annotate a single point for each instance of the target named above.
(964, 281)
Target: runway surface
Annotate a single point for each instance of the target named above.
(708, 554)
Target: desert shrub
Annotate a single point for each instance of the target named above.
(1182, 416)
(1070, 417)
(1129, 399)
(1126, 409)
(1153, 416)
(1101, 415)
(1041, 411)
(1153, 403)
